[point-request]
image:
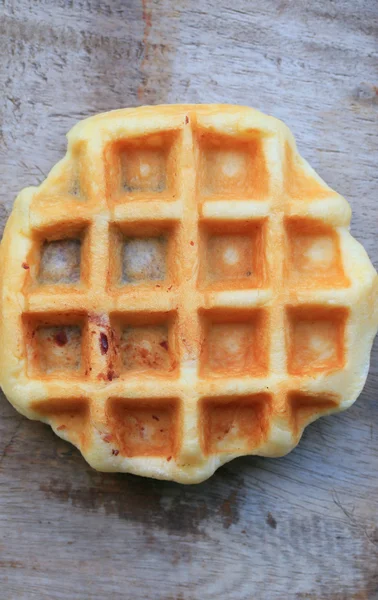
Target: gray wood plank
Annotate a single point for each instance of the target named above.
(304, 526)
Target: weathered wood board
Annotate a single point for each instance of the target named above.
(302, 527)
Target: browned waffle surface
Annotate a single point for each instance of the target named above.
(183, 289)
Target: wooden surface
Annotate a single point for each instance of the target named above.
(302, 527)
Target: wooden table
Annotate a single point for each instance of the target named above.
(304, 526)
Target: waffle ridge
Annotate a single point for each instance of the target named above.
(181, 290)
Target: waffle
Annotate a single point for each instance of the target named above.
(182, 289)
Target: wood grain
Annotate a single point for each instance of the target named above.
(302, 527)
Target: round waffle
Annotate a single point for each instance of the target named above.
(181, 290)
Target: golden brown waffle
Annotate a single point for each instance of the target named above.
(181, 290)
